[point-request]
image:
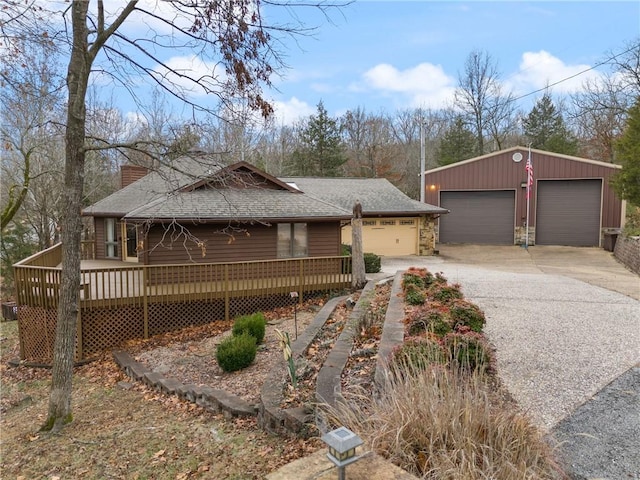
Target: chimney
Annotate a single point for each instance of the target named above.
(131, 173)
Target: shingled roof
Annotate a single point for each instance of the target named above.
(378, 196)
(184, 191)
(187, 191)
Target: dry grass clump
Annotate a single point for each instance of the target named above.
(441, 423)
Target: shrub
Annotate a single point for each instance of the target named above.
(445, 293)
(372, 263)
(417, 353)
(412, 279)
(254, 325)
(468, 314)
(468, 351)
(236, 352)
(431, 318)
(346, 249)
(414, 295)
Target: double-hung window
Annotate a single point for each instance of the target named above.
(292, 240)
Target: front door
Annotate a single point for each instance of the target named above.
(130, 243)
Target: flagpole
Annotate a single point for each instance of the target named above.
(529, 176)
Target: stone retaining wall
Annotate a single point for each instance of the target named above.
(627, 251)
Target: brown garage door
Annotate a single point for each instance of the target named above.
(478, 217)
(568, 212)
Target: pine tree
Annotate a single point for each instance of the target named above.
(321, 152)
(627, 181)
(458, 143)
(546, 130)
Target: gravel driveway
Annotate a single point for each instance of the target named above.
(559, 340)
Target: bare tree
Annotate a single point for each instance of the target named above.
(230, 33)
(485, 106)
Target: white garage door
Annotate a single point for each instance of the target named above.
(568, 212)
(485, 217)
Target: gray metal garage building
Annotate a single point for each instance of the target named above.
(571, 201)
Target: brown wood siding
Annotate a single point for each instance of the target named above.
(98, 225)
(501, 172)
(257, 242)
(324, 239)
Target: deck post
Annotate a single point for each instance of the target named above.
(301, 288)
(226, 292)
(145, 301)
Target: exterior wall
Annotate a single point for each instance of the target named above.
(427, 235)
(98, 226)
(256, 242)
(499, 171)
(627, 251)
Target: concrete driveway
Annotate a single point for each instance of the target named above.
(566, 324)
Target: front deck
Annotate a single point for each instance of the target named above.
(119, 301)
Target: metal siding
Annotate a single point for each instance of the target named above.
(501, 172)
(485, 217)
(568, 212)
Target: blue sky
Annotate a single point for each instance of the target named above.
(386, 56)
(395, 55)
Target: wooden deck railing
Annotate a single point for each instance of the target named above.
(135, 301)
(51, 257)
(136, 284)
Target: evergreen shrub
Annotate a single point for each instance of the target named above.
(254, 324)
(236, 352)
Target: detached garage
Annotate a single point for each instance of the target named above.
(570, 203)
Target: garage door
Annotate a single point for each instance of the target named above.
(568, 212)
(387, 236)
(478, 217)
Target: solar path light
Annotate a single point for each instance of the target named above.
(342, 444)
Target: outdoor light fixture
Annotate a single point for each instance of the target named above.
(342, 444)
(432, 187)
(523, 184)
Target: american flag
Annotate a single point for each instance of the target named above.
(529, 169)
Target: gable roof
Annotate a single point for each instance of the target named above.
(196, 188)
(533, 151)
(378, 196)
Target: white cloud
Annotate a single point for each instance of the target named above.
(183, 70)
(288, 112)
(425, 85)
(540, 69)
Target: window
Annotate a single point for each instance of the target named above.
(368, 223)
(292, 240)
(407, 222)
(110, 238)
(387, 222)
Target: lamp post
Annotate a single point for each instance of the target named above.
(342, 444)
(294, 296)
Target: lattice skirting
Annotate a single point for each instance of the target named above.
(108, 327)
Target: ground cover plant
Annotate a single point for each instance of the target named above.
(441, 413)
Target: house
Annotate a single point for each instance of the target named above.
(196, 211)
(392, 223)
(571, 201)
(195, 241)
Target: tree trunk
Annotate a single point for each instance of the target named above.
(71, 225)
(359, 276)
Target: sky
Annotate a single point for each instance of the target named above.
(389, 56)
